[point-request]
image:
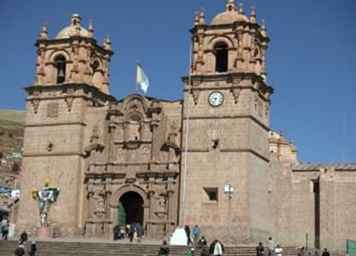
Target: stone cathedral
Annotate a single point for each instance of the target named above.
(209, 159)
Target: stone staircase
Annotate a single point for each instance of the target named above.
(57, 248)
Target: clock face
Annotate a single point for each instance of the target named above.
(216, 99)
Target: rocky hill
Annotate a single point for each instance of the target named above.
(11, 130)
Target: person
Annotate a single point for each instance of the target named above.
(202, 242)
(33, 249)
(4, 228)
(301, 251)
(139, 231)
(131, 233)
(116, 232)
(20, 250)
(325, 252)
(260, 249)
(278, 250)
(216, 248)
(163, 249)
(187, 232)
(196, 235)
(122, 233)
(23, 238)
(271, 246)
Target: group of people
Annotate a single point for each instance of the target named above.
(4, 229)
(216, 248)
(21, 248)
(134, 232)
(271, 250)
(196, 241)
(306, 252)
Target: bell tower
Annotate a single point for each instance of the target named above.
(72, 82)
(225, 159)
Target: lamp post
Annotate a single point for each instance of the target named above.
(229, 191)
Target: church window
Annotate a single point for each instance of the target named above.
(212, 194)
(60, 64)
(221, 57)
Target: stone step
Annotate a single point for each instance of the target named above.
(109, 249)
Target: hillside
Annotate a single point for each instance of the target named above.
(11, 130)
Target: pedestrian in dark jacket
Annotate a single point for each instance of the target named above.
(23, 238)
(325, 252)
(187, 232)
(260, 249)
(33, 249)
(20, 250)
(164, 249)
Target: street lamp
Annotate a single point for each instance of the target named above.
(228, 190)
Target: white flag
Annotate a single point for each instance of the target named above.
(141, 79)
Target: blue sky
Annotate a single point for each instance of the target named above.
(311, 60)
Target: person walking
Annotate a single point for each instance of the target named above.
(163, 249)
(271, 246)
(187, 232)
(131, 233)
(260, 249)
(196, 235)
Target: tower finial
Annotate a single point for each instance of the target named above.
(44, 32)
(76, 19)
(230, 5)
(253, 14)
(263, 28)
(107, 43)
(91, 28)
(241, 8)
(199, 17)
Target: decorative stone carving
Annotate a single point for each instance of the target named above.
(96, 201)
(69, 101)
(195, 94)
(236, 94)
(35, 104)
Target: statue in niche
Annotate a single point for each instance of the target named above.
(94, 138)
(160, 205)
(97, 202)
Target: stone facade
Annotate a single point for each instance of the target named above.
(210, 159)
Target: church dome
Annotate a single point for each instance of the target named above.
(74, 29)
(230, 15)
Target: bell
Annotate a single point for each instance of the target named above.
(61, 73)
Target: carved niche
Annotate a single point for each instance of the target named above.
(96, 201)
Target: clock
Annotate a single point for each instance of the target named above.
(216, 99)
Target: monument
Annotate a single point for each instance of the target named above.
(45, 198)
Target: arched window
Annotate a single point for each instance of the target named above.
(60, 64)
(221, 57)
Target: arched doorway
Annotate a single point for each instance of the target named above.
(132, 205)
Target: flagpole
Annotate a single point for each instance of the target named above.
(136, 85)
(186, 144)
